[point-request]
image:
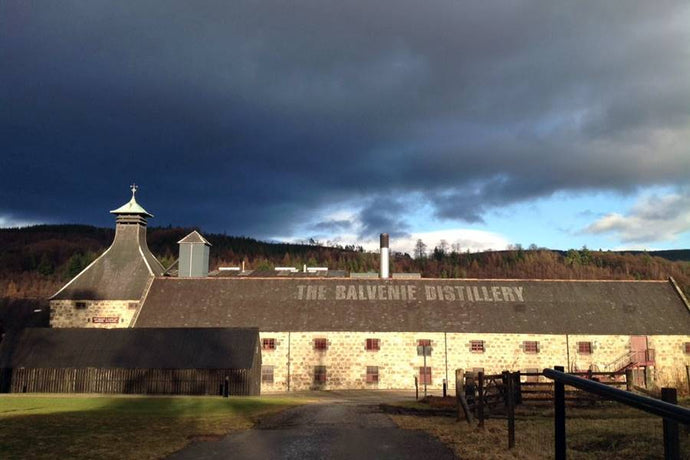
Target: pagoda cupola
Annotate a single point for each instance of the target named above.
(131, 212)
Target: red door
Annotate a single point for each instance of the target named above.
(638, 346)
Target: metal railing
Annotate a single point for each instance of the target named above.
(641, 357)
(620, 362)
(672, 413)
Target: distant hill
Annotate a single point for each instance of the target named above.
(674, 255)
(36, 261)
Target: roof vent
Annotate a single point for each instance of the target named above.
(194, 256)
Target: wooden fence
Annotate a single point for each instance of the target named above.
(134, 381)
(666, 409)
(496, 395)
(532, 389)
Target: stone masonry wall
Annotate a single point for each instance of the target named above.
(671, 359)
(92, 313)
(346, 358)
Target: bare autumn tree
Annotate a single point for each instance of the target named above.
(420, 249)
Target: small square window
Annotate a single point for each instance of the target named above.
(584, 348)
(425, 375)
(133, 305)
(267, 374)
(319, 374)
(530, 346)
(424, 347)
(80, 305)
(268, 344)
(320, 344)
(477, 346)
(372, 374)
(372, 344)
(687, 348)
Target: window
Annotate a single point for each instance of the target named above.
(687, 348)
(319, 374)
(80, 305)
(424, 347)
(584, 348)
(530, 346)
(267, 374)
(372, 344)
(425, 376)
(477, 346)
(320, 344)
(133, 305)
(268, 344)
(372, 374)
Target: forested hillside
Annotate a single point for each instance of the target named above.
(36, 261)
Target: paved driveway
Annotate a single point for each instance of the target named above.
(344, 425)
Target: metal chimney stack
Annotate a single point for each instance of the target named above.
(384, 255)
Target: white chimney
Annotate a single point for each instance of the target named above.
(384, 255)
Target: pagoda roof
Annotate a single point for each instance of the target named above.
(132, 207)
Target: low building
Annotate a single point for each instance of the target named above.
(132, 361)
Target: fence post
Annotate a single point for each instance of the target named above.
(480, 398)
(459, 378)
(517, 387)
(462, 402)
(671, 439)
(559, 416)
(629, 380)
(511, 409)
(648, 377)
(416, 388)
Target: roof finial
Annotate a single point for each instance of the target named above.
(132, 207)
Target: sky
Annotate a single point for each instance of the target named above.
(484, 124)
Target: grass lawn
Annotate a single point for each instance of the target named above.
(606, 430)
(121, 426)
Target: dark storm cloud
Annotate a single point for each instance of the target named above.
(384, 215)
(334, 226)
(250, 117)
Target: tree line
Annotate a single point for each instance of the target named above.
(36, 261)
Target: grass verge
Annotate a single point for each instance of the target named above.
(606, 430)
(122, 427)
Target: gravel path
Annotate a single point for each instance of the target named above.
(340, 428)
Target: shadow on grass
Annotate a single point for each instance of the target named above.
(122, 427)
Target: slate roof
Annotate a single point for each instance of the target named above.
(176, 348)
(120, 273)
(492, 306)
(277, 273)
(194, 237)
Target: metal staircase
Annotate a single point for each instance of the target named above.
(631, 359)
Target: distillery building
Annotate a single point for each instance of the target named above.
(327, 330)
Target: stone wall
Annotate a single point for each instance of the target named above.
(92, 313)
(671, 359)
(398, 360)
